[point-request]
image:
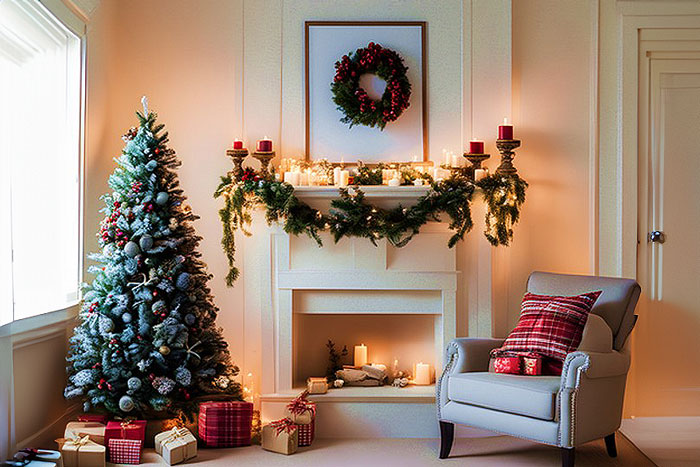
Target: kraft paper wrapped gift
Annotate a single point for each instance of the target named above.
(93, 430)
(280, 436)
(300, 410)
(81, 452)
(176, 445)
(317, 385)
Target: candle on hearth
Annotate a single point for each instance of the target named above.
(237, 144)
(360, 355)
(336, 176)
(476, 146)
(421, 374)
(395, 181)
(418, 182)
(395, 367)
(457, 160)
(505, 131)
(303, 178)
(344, 177)
(264, 145)
(480, 174)
(292, 178)
(447, 157)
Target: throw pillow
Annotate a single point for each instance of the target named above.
(549, 328)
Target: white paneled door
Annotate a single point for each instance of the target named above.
(666, 345)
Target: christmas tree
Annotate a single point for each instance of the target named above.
(147, 343)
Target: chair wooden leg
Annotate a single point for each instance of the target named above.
(610, 445)
(447, 434)
(568, 456)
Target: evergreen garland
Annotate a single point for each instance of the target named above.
(351, 216)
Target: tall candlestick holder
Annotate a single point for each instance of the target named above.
(475, 159)
(238, 155)
(264, 157)
(506, 148)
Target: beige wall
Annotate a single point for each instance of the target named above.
(188, 57)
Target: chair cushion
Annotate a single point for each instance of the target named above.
(532, 396)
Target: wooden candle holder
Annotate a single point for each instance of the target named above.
(264, 158)
(506, 148)
(238, 155)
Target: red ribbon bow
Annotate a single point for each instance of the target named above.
(282, 425)
(301, 404)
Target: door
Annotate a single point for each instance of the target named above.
(666, 345)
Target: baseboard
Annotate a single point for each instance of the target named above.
(45, 437)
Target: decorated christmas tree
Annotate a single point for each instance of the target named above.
(147, 343)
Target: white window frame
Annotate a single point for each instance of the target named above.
(75, 21)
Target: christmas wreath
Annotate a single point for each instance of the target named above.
(357, 107)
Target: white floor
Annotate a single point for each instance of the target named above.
(668, 441)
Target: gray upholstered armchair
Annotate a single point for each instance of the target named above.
(582, 405)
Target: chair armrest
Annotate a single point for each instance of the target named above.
(469, 354)
(594, 364)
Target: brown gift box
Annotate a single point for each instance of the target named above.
(176, 445)
(284, 441)
(93, 430)
(81, 452)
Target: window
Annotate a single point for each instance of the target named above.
(40, 161)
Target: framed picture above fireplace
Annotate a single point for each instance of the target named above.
(372, 106)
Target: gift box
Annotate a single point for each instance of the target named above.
(280, 436)
(134, 430)
(93, 417)
(317, 385)
(225, 424)
(124, 451)
(509, 365)
(81, 452)
(176, 445)
(305, 433)
(93, 430)
(300, 410)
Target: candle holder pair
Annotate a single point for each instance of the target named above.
(507, 149)
(238, 155)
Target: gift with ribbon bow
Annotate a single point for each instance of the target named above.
(81, 452)
(125, 429)
(280, 436)
(303, 413)
(93, 430)
(176, 445)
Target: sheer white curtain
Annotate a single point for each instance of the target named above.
(40, 114)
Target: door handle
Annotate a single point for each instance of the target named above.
(657, 236)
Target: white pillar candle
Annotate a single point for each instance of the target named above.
(447, 157)
(418, 182)
(336, 176)
(421, 374)
(303, 178)
(360, 355)
(457, 160)
(395, 181)
(292, 178)
(480, 174)
(344, 177)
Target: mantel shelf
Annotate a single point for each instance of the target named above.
(422, 394)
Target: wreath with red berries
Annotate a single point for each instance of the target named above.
(357, 107)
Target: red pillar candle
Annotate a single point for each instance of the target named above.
(265, 145)
(505, 131)
(476, 147)
(238, 144)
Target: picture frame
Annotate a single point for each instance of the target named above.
(326, 137)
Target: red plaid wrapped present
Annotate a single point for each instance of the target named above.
(133, 429)
(125, 451)
(306, 433)
(225, 424)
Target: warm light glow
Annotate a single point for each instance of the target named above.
(505, 120)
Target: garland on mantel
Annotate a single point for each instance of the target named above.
(351, 216)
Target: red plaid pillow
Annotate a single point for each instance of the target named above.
(549, 326)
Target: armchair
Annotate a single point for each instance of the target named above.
(581, 405)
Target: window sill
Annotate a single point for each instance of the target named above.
(30, 329)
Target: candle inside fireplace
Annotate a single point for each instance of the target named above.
(476, 146)
(360, 355)
(237, 144)
(505, 131)
(265, 145)
(421, 374)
